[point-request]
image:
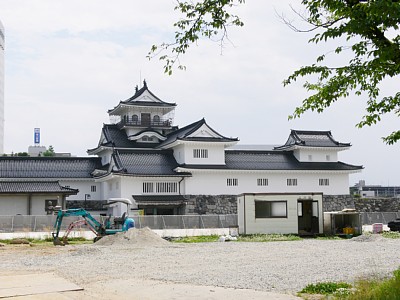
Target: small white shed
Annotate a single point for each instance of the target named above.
(285, 213)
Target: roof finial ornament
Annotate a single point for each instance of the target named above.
(136, 89)
(145, 83)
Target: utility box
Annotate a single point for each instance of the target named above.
(377, 228)
(347, 222)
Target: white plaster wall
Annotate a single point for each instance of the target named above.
(38, 203)
(275, 225)
(105, 157)
(215, 182)
(316, 155)
(216, 154)
(84, 187)
(112, 188)
(131, 186)
(12, 205)
(179, 154)
(134, 185)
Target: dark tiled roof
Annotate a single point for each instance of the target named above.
(132, 100)
(184, 132)
(48, 167)
(159, 200)
(117, 138)
(146, 162)
(272, 160)
(35, 187)
(312, 139)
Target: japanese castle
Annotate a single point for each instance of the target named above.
(142, 155)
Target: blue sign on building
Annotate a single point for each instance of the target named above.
(37, 136)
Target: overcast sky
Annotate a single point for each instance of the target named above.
(68, 62)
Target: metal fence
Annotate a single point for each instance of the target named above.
(378, 217)
(46, 223)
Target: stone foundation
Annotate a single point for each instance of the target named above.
(227, 204)
(211, 204)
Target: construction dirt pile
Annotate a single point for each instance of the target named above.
(134, 236)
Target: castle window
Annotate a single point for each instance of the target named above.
(93, 188)
(200, 153)
(324, 181)
(328, 158)
(166, 187)
(262, 181)
(156, 120)
(231, 181)
(291, 181)
(135, 119)
(148, 187)
(146, 138)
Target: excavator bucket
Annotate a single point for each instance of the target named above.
(57, 242)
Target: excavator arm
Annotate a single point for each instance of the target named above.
(91, 222)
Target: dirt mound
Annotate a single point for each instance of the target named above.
(134, 236)
(368, 238)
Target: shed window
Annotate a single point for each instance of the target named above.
(270, 209)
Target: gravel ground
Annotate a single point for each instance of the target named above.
(283, 267)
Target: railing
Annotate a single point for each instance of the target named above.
(46, 223)
(145, 123)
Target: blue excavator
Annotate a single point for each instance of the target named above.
(108, 227)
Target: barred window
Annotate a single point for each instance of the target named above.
(291, 181)
(148, 187)
(231, 181)
(166, 187)
(200, 153)
(262, 181)
(160, 187)
(323, 181)
(93, 188)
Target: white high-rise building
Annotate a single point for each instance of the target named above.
(2, 46)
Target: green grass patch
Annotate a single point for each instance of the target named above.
(197, 239)
(326, 288)
(391, 234)
(242, 238)
(268, 237)
(387, 289)
(44, 242)
(328, 237)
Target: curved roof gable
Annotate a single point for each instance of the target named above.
(143, 97)
(113, 137)
(198, 131)
(308, 138)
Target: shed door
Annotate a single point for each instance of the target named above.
(308, 218)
